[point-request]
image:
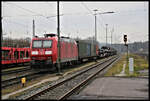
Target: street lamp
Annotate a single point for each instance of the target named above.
(106, 34)
(106, 12)
(95, 22)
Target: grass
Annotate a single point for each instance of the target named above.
(117, 67)
(139, 64)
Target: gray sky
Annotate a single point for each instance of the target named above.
(130, 18)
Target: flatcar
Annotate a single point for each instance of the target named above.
(12, 55)
(106, 51)
(101, 53)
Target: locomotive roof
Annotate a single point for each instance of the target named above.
(65, 39)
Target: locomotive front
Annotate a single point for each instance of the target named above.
(43, 51)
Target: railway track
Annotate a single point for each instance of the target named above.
(16, 80)
(67, 86)
(7, 72)
(5, 67)
(12, 79)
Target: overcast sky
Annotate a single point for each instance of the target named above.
(77, 19)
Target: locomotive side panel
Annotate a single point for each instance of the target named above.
(68, 50)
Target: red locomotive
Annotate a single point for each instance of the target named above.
(15, 55)
(44, 50)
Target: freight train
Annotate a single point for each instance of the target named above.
(44, 51)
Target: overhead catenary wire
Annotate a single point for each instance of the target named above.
(87, 8)
(92, 13)
(25, 9)
(22, 25)
(14, 22)
(47, 17)
(28, 10)
(37, 14)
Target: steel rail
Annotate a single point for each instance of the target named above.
(62, 82)
(15, 71)
(17, 80)
(5, 67)
(69, 93)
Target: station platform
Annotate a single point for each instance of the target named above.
(115, 88)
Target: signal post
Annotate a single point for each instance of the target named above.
(125, 40)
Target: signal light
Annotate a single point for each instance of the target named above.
(125, 38)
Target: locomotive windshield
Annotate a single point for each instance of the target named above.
(37, 44)
(47, 43)
(42, 43)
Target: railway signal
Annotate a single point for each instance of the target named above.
(125, 39)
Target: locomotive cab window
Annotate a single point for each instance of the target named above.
(37, 44)
(47, 43)
(42, 44)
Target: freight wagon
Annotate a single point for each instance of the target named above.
(87, 49)
(14, 55)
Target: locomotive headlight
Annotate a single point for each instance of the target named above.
(48, 52)
(34, 52)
